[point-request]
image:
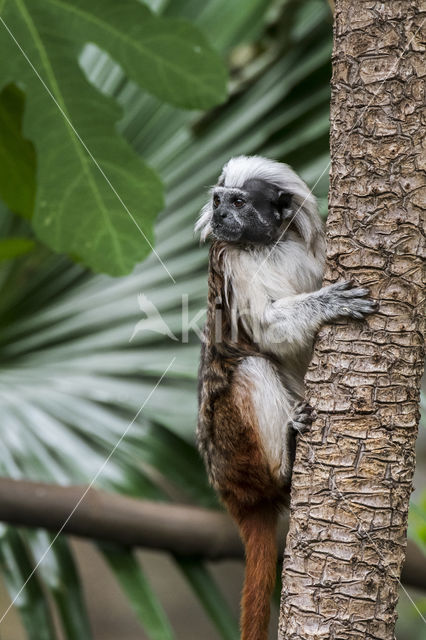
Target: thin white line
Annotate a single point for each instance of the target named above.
(375, 546)
(66, 118)
(96, 476)
(357, 122)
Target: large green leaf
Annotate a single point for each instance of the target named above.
(171, 59)
(96, 200)
(17, 156)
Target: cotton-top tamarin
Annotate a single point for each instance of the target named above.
(265, 304)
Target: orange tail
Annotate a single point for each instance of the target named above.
(258, 530)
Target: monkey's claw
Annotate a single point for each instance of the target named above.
(302, 418)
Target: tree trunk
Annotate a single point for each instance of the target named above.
(353, 473)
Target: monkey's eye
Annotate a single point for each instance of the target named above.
(216, 201)
(239, 202)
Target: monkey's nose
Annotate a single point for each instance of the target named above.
(223, 214)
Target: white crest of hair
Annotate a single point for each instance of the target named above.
(238, 170)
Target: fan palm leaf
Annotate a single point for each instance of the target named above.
(75, 371)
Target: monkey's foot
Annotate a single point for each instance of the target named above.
(302, 418)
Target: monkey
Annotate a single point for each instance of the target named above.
(265, 305)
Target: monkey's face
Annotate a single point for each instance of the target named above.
(252, 214)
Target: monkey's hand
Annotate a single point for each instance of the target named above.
(342, 299)
(293, 321)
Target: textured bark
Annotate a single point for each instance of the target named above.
(353, 473)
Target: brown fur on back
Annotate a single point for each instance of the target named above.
(228, 438)
(227, 431)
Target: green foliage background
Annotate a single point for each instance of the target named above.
(71, 378)
(92, 188)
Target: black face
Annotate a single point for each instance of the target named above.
(249, 215)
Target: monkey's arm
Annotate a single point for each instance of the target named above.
(294, 320)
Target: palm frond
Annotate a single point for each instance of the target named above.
(72, 378)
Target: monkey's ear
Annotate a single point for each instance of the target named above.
(284, 200)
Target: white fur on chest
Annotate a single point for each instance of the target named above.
(270, 274)
(257, 278)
